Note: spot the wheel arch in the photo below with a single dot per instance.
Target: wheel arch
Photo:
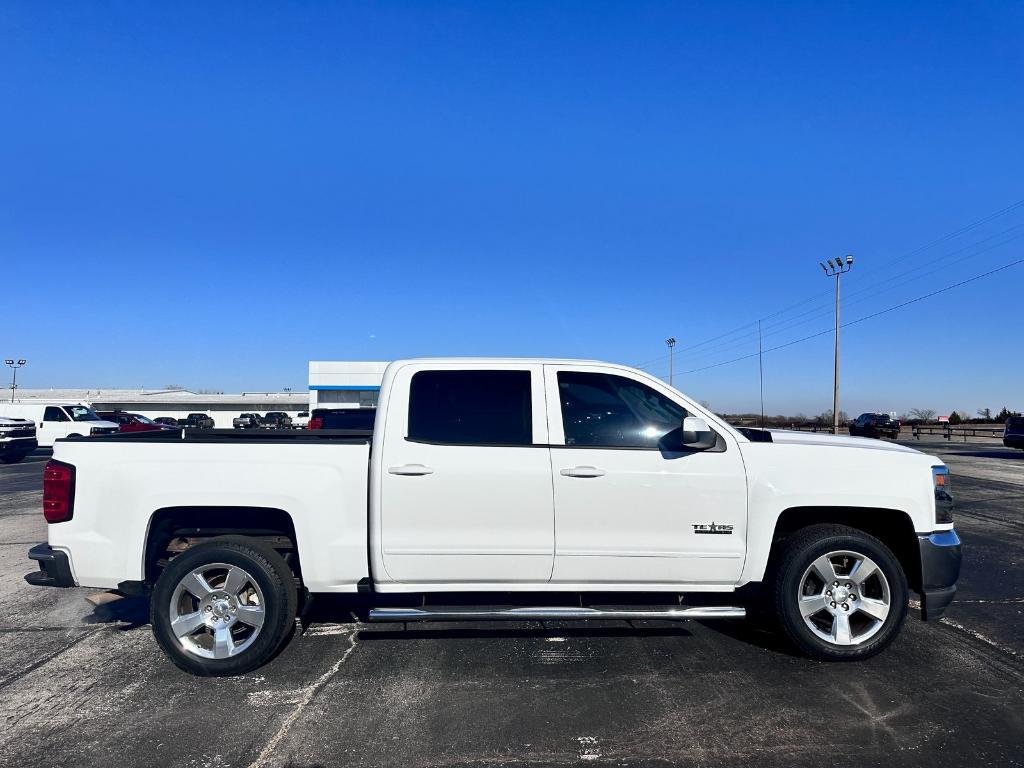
(893, 527)
(172, 530)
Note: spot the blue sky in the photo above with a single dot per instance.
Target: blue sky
(213, 194)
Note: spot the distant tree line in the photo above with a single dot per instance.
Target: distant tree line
(912, 417)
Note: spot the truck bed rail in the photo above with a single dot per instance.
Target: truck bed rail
(286, 436)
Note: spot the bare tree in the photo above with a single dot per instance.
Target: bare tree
(923, 414)
(985, 413)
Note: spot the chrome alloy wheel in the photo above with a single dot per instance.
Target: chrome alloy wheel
(844, 598)
(217, 611)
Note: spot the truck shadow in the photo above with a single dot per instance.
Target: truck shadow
(132, 612)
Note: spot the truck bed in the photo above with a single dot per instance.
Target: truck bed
(126, 483)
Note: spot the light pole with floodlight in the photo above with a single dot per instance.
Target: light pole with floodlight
(15, 366)
(838, 268)
(671, 344)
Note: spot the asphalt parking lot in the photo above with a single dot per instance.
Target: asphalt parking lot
(84, 686)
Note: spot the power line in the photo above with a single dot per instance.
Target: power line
(773, 329)
(893, 308)
(944, 238)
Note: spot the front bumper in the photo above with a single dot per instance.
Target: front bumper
(941, 554)
(17, 445)
(54, 567)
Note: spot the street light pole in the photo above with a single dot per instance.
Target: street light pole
(15, 366)
(671, 344)
(837, 269)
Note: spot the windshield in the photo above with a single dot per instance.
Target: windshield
(81, 413)
(142, 419)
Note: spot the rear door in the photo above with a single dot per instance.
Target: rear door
(626, 510)
(465, 480)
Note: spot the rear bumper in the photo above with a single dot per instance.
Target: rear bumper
(1013, 441)
(941, 554)
(54, 567)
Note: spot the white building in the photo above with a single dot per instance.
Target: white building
(344, 385)
(176, 403)
(331, 385)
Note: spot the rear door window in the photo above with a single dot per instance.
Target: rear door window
(471, 407)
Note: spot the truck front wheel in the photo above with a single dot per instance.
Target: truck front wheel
(223, 607)
(840, 594)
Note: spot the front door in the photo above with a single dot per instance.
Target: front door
(465, 480)
(55, 425)
(627, 510)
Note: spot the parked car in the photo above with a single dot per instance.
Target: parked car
(875, 425)
(301, 420)
(17, 439)
(167, 421)
(342, 418)
(277, 420)
(1013, 432)
(55, 420)
(131, 422)
(197, 421)
(491, 478)
(247, 421)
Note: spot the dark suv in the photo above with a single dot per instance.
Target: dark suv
(875, 425)
(1013, 434)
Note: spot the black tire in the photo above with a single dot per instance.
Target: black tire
(270, 573)
(804, 548)
(12, 458)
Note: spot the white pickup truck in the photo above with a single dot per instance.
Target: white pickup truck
(503, 489)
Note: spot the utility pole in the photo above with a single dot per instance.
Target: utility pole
(15, 366)
(671, 344)
(838, 269)
(760, 370)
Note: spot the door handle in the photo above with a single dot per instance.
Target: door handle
(583, 472)
(410, 469)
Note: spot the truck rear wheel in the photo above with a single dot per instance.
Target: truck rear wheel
(840, 594)
(223, 607)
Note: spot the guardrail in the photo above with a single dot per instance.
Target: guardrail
(947, 431)
(808, 428)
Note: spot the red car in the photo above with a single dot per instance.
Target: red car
(131, 422)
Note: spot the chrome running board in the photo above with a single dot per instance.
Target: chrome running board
(553, 614)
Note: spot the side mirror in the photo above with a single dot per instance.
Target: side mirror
(693, 435)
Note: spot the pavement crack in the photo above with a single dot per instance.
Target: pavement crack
(48, 658)
(308, 695)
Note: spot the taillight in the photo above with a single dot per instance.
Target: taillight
(316, 422)
(58, 491)
(943, 498)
